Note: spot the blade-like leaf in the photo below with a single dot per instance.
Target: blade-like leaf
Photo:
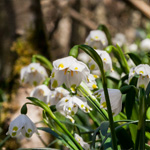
(135, 58)
(129, 102)
(104, 127)
(48, 130)
(104, 28)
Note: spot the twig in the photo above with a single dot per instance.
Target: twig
(142, 6)
(85, 21)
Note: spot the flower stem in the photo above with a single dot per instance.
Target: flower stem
(140, 137)
(69, 134)
(88, 95)
(52, 116)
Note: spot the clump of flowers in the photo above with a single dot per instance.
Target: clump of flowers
(86, 97)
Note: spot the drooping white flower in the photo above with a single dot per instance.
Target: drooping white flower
(96, 39)
(57, 95)
(115, 97)
(119, 39)
(41, 92)
(145, 44)
(84, 57)
(68, 106)
(70, 71)
(22, 125)
(80, 140)
(33, 74)
(107, 62)
(91, 83)
(143, 70)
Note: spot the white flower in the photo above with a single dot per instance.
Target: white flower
(68, 106)
(143, 70)
(33, 74)
(22, 125)
(115, 97)
(119, 39)
(79, 139)
(42, 92)
(133, 47)
(97, 39)
(70, 71)
(91, 83)
(145, 44)
(57, 95)
(84, 57)
(107, 62)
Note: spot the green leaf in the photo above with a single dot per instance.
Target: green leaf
(129, 102)
(113, 79)
(77, 125)
(120, 57)
(43, 60)
(148, 89)
(24, 109)
(64, 139)
(126, 89)
(4, 140)
(36, 149)
(104, 28)
(134, 81)
(99, 83)
(42, 105)
(135, 58)
(148, 113)
(94, 136)
(74, 51)
(48, 130)
(104, 127)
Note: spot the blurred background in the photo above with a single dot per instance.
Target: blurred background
(51, 28)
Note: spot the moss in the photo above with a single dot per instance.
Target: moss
(24, 51)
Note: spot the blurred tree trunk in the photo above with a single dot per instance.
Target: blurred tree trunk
(38, 36)
(7, 31)
(76, 36)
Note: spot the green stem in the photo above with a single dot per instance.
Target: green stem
(43, 60)
(120, 56)
(69, 134)
(113, 135)
(47, 121)
(63, 128)
(104, 28)
(47, 81)
(90, 51)
(88, 95)
(3, 142)
(140, 138)
(94, 119)
(50, 113)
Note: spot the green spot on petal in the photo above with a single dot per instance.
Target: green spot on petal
(72, 113)
(29, 130)
(53, 74)
(92, 67)
(14, 133)
(27, 135)
(104, 104)
(73, 88)
(55, 84)
(15, 128)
